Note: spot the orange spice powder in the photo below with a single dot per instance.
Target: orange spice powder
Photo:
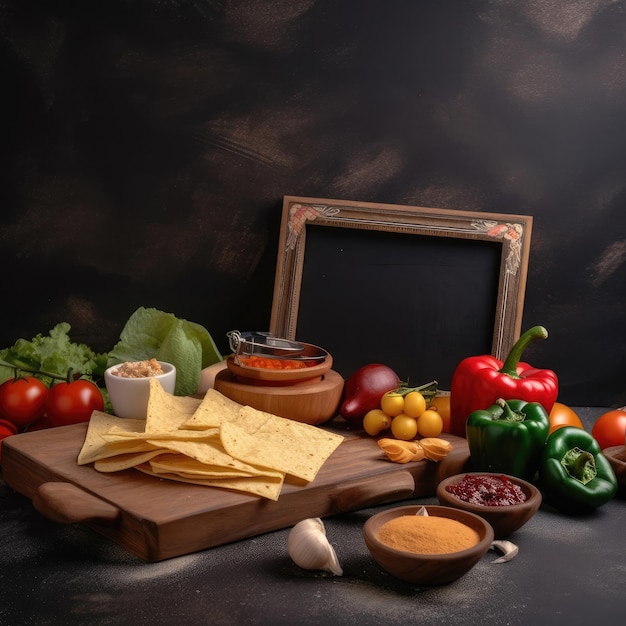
(423, 534)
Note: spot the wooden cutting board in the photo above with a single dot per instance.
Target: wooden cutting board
(158, 519)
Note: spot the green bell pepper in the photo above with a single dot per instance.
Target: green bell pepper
(508, 437)
(574, 474)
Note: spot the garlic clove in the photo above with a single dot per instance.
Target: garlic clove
(509, 550)
(310, 549)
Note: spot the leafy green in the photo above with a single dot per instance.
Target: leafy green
(54, 353)
(150, 333)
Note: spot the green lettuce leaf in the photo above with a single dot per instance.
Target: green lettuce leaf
(150, 333)
(54, 353)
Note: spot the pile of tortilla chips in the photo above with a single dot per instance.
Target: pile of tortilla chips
(214, 441)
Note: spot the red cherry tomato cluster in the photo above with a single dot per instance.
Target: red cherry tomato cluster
(26, 403)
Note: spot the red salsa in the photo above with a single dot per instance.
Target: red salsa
(275, 364)
(487, 490)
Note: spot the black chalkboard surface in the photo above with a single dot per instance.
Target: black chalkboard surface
(417, 289)
(418, 304)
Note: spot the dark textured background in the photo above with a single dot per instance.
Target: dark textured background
(146, 147)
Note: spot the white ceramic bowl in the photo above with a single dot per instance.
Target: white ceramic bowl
(129, 396)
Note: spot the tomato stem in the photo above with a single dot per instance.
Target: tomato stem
(425, 389)
(19, 369)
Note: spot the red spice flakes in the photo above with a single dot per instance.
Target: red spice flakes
(487, 490)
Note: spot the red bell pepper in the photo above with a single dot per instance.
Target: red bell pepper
(479, 381)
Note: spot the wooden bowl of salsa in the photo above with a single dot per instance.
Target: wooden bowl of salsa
(506, 502)
(259, 369)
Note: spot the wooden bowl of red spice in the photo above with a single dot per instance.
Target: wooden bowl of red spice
(506, 502)
(434, 548)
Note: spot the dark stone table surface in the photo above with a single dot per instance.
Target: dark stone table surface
(569, 570)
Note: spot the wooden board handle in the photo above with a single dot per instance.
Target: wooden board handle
(68, 504)
(375, 490)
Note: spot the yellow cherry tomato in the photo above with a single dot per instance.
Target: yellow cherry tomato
(442, 404)
(429, 424)
(414, 404)
(392, 403)
(404, 427)
(375, 421)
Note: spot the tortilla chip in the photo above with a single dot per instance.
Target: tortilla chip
(125, 461)
(165, 411)
(254, 485)
(214, 442)
(118, 434)
(213, 408)
(278, 443)
(96, 447)
(180, 464)
(213, 454)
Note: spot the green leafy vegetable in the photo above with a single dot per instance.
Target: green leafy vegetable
(150, 333)
(54, 353)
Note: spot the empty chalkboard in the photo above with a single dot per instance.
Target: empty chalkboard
(414, 288)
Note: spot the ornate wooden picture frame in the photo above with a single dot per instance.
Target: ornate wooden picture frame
(424, 238)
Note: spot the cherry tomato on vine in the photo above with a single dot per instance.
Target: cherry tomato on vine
(404, 427)
(73, 402)
(414, 404)
(610, 429)
(392, 403)
(562, 415)
(375, 421)
(23, 400)
(442, 404)
(429, 424)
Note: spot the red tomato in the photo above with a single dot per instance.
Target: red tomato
(72, 403)
(23, 400)
(41, 424)
(562, 415)
(610, 429)
(6, 430)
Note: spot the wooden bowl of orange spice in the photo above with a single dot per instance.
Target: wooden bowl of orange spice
(427, 545)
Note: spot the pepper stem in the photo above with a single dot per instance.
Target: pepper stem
(509, 367)
(580, 465)
(508, 414)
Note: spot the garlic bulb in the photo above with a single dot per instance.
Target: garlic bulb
(309, 547)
